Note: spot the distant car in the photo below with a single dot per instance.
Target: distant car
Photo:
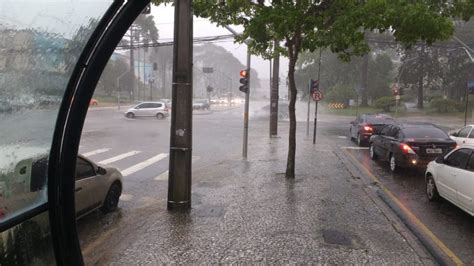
(451, 176)
(409, 145)
(158, 109)
(464, 135)
(97, 187)
(5, 107)
(367, 124)
(94, 102)
(201, 105)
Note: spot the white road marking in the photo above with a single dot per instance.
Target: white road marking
(146, 163)
(342, 137)
(126, 197)
(165, 174)
(87, 154)
(119, 157)
(355, 148)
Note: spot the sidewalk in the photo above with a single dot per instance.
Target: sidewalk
(247, 212)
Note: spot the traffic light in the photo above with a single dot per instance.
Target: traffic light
(396, 92)
(244, 81)
(314, 85)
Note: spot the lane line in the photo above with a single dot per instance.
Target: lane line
(91, 153)
(165, 174)
(342, 137)
(410, 214)
(355, 148)
(139, 166)
(119, 157)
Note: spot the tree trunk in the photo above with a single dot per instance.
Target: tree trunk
(422, 75)
(363, 80)
(290, 164)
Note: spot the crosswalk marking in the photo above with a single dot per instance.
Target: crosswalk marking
(146, 163)
(119, 157)
(87, 154)
(165, 174)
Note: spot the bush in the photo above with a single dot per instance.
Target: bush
(385, 103)
(340, 94)
(446, 105)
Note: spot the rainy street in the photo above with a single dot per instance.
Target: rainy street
(134, 143)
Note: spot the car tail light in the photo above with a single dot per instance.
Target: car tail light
(406, 149)
(368, 129)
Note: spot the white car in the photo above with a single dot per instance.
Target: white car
(464, 135)
(451, 176)
(158, 109)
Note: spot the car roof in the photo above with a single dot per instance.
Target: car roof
(151, 102)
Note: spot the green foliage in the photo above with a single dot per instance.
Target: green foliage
(385, 103)
(340, 94)
(441, 105)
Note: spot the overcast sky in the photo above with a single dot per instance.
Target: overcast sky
(164, 17)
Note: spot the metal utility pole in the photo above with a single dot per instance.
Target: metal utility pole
(247, 97)
(316, 102)
(246, 111)
(309, 106)
(179, 182)
(274, 95)
(132, 65)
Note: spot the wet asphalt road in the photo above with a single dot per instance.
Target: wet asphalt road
(216, 135)
(449, 223)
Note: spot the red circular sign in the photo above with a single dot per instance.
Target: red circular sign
(317, 95)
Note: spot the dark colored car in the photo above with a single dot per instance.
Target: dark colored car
(409, 145)
(366, 124)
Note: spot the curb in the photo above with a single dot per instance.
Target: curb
(432, 245)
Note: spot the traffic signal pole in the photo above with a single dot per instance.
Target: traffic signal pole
(246, 110)
(179, 181)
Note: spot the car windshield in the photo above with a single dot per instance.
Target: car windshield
(379, 120)
(425, 133)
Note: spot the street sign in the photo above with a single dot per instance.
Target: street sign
(470, 86)
(208, 70)
(317, 95)
(397, 97)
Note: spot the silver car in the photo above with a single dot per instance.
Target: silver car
(158, 109)
(97, 187)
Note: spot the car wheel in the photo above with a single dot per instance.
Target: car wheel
(160, 116)
(112, 198)
(431, 190)
(350, 134)
(130, 115)
(393, 164)
(372, 153)
(359, 140)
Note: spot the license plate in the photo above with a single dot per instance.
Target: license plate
(434, 151)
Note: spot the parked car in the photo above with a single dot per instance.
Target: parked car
(366, 124)
(201, 105)
(158, 109)
(463, 135)
(97, 187)
(451, 176)
(409, 145)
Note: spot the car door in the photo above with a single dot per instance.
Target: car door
(465, 186)
(155, 108)
(385, 141)
(449, 172)
(462, 135)
(86, 196)
(470, 138)
(140, 110)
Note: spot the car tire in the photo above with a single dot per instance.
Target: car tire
(350, 134)
(392, 162)
(372, 153)
(160, 116)
(130, 115)
(431, 190)
(112, 198)
(359, 140)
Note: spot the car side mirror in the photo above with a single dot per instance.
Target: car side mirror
(101, 170)
(440, 159)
